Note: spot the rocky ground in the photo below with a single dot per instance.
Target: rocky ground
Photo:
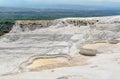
(68, 48)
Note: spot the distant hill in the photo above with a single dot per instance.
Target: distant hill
(54, 12)
(58, 6)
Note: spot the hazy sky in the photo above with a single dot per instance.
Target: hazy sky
(29, 3)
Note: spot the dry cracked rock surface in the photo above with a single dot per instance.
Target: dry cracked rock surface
(68, 48)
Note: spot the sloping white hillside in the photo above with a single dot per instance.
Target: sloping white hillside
(75, 37)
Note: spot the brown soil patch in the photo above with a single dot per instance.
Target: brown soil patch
(44, 62)
(52, 63)
(94, 46)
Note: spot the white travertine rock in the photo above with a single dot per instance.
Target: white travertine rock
(66, 36)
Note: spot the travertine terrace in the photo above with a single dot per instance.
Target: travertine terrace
(67, 48)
